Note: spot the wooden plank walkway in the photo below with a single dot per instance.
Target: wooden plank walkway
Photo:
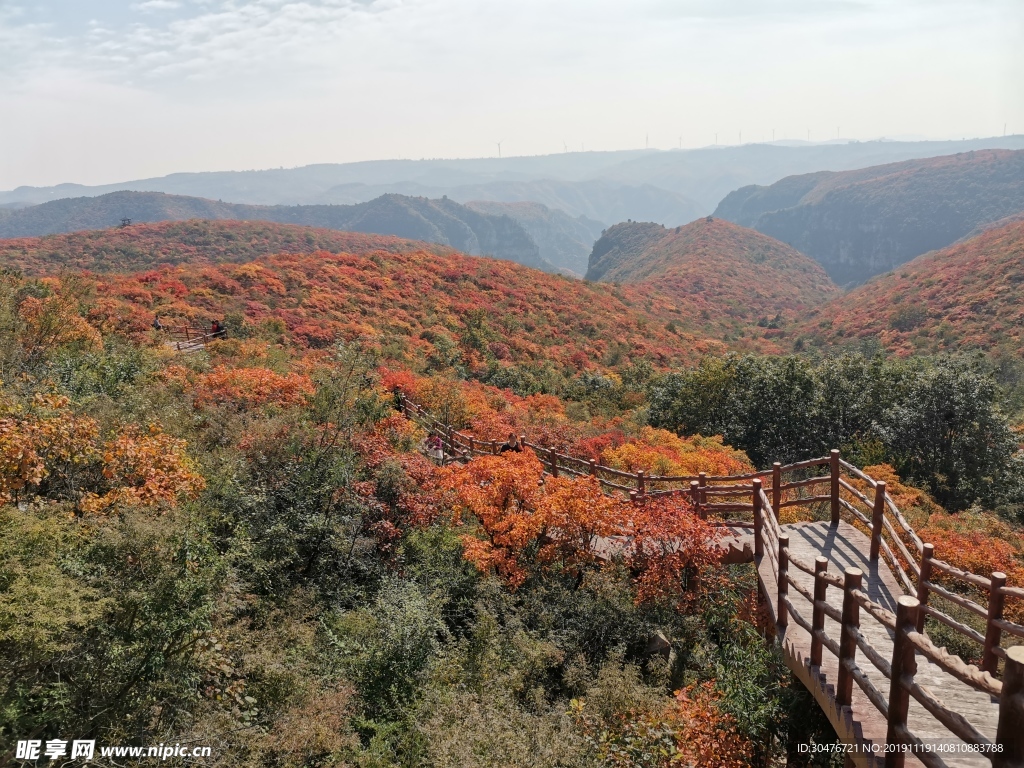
(862, 724)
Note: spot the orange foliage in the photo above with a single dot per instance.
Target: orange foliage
(708, 737)
(241, 387)
(502, 493)
(144, 469)
(54, 321)
(46, 449)
(526, 521)
(659, 452)
(46, 440)
(672, 550)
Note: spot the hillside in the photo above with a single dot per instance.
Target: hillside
(149, 246)
(729, 281)
(563, 240)
(411, 305)
(861, 223)
(437, 221)
(967, 296)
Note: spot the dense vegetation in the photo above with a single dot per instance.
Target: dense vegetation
(493, 319)
(245, 547)
(242, 548)
(937, 422)
(435, 221)
(864, 222)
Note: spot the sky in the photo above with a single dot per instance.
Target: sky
(109, 90)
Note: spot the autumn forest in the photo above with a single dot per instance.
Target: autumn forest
(220, 525)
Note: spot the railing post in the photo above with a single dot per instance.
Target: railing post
(1010, 730)
(877, 515)
(833, 463)
(996, 600)
(782, 613)
(553, 459)
(632, 497)
(927, 553)
(818, 610)
(848, 638)
(695, 499)
(472, 446)
(758, 519)
(703, 482)
(641, 486)
(593, 468)
(776, 488)
(904, 667)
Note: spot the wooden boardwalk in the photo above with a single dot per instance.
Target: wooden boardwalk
(862, 724)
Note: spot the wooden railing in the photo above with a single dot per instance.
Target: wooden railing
(893, 540)
(906, 625)
(189, 338)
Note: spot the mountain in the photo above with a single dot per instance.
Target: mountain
(195, 242)
(438, 221)
(678, 185)
(563, 240)
(861, 223)
(967, 296)
(724, 279)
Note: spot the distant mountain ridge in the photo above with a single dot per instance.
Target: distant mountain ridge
(678, 185)
(598, 199)
(861, 223)
(436, 221)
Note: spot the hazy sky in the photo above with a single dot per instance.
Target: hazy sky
(107, 90)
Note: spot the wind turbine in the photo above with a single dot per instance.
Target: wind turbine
(499, 147)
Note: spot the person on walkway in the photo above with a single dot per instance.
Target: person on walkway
(157, 325)
(435, 448)
(512, 444)
(217, 330)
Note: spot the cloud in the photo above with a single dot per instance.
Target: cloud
(158, 5)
